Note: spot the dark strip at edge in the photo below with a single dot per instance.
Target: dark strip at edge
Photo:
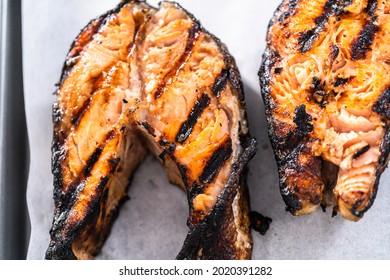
(382, 105)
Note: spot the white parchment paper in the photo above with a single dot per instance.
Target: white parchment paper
(152, 224)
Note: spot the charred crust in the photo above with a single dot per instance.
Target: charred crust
(92, 160)
(60, 249)
(302, 121)
(215, 163)
(382, 105)
(57, 152)
(259, 222)
(270, 58)
(362, 44)
(56, 114)
(382, 165)
(183, 173)
(196, 111)
(61, 241)
(302, 129)
(212, 237)
(93, 208)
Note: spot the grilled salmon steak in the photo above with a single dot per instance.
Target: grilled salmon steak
(139, 81)
(326, 90)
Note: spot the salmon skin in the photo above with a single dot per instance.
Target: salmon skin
(325, 86)
(139, 81)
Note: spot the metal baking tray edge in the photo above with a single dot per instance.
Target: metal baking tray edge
(14, 151)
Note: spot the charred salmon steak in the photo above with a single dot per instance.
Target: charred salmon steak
(137, 81)
(326, 88)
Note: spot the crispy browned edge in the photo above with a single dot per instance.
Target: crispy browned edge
(282, 147)
(215, 236)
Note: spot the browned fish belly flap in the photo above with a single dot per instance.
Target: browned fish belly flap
(325, 88)
(140, 81)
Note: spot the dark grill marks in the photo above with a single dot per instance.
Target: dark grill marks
(361, 152)
(371, 7)
(168, 148)
(186, 128)
(91, 161)
(80, 113)
(306, 39)
(220, 82)
(216, 162)
(193, 34)
(94, 203)
(71, 228)
(361, 45)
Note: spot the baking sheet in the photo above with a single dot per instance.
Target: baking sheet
(14, 160)
(152, 225)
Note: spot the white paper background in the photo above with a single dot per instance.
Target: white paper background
(152, 225)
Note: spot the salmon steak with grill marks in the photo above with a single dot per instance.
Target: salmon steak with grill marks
(139, 81)
(326, 89)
